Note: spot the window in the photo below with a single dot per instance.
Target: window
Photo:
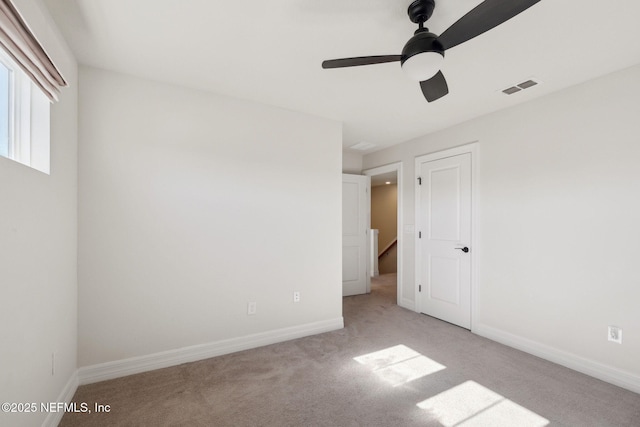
(5, 73)
(24, 117)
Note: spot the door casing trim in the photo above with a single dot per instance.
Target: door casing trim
(397, 167)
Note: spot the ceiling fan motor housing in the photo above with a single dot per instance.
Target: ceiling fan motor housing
(422, 56)
(421, 10)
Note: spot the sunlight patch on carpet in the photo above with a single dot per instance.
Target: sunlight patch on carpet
(399, 364)
(470, 404)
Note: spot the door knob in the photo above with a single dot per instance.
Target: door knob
(465, 249)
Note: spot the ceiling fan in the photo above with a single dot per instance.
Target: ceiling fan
(423, 54)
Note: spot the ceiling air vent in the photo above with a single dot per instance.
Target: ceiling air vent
(512, 90)
(520, 86)
(527, 84)
(362, 146)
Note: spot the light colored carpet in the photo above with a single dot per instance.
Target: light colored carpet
(387, 367)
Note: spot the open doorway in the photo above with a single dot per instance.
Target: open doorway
(386, 218)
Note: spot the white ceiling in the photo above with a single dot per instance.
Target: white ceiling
(271, 51)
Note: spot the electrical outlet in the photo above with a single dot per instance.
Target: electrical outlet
(296, 296)
(615, 334)
(251, 308)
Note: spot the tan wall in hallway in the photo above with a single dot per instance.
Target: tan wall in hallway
(389, 263)
(384, 217)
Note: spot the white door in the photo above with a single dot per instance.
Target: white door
(355, 227)
(444, 239)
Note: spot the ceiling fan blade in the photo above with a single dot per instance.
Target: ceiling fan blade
(361, 60)
(434, 88)
(485, 16)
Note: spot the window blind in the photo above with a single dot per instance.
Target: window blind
(20, 43)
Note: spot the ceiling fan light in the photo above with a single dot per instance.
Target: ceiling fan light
(423, 66)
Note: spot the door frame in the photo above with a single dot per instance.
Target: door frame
(473, 149)
(397, 167)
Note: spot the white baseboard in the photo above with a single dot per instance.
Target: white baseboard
(135, 365)
(54, 418)
(598, 370)
(408, 304)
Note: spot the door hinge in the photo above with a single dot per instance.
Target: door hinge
(419, 181)
(419, 288)
(419, 234)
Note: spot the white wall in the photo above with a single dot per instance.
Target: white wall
(351, 162)
(558, 222)
(38, 248)
(191, 205)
